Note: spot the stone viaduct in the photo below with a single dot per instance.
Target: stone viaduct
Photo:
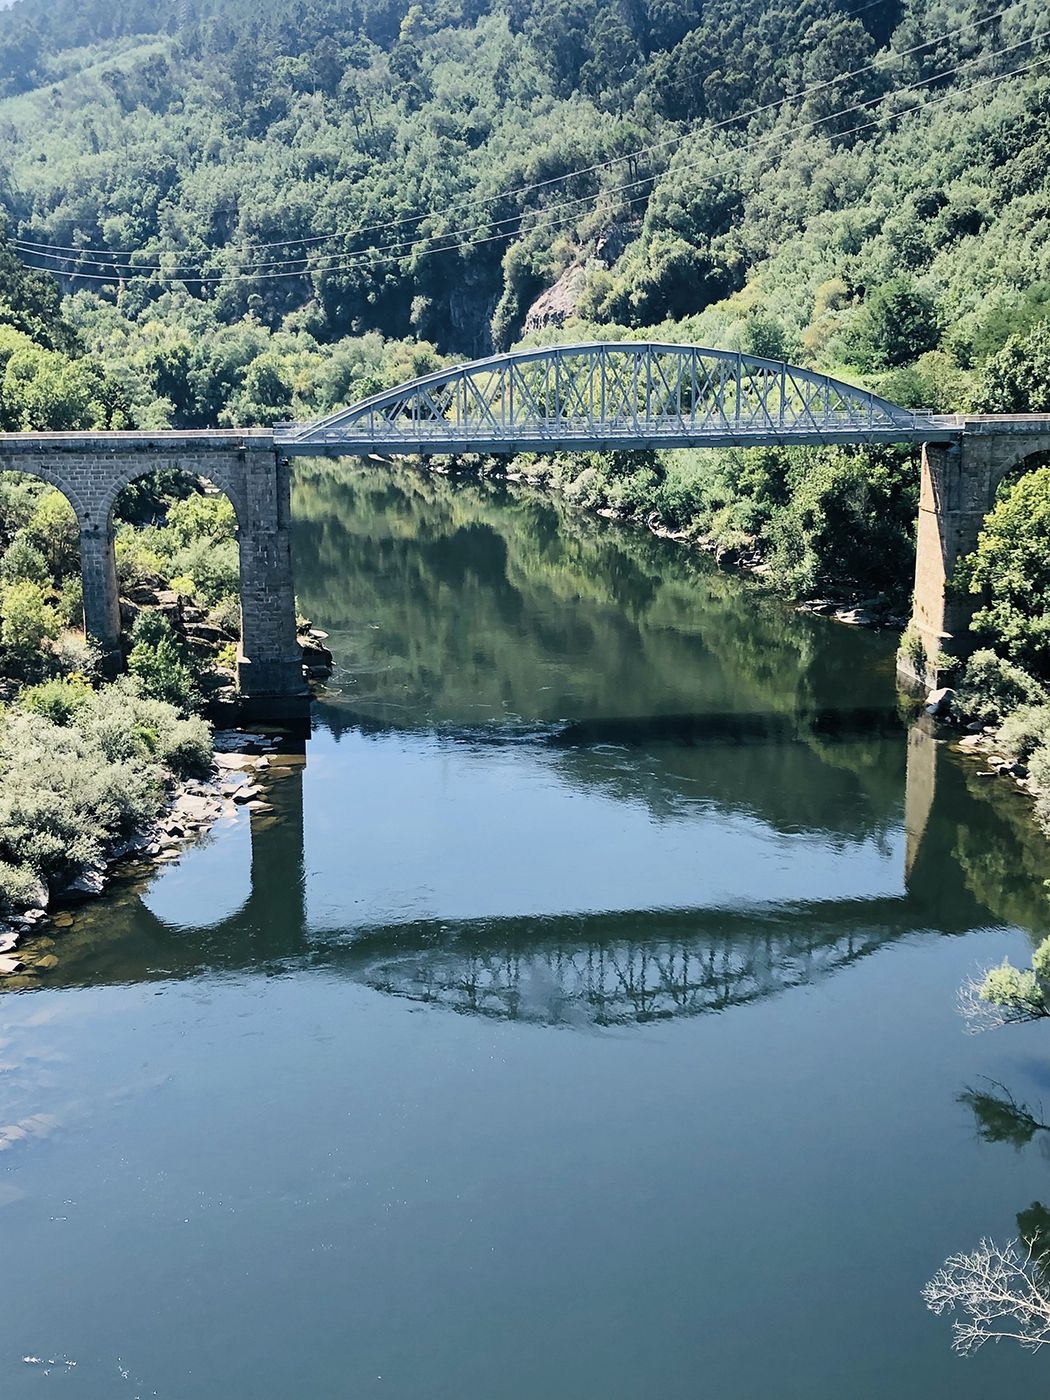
(90, 469)
(585, 397)
(964, 462)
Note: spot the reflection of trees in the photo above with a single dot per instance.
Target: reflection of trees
(461, 605)
(1000, 1292)
(375, 547)
(1000, 1118)
(988, 832)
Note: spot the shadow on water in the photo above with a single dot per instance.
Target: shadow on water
(622, 671)
(600, 968)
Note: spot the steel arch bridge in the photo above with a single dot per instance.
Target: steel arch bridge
(625, 395)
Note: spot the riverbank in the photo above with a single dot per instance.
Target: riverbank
(998, 716)
(785, 527)
(235, 784)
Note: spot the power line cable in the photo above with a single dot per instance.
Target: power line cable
(111, 256)
(400, 250)
(374, 257)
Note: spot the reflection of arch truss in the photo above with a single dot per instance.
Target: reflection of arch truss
(629, 395)
(620, 981)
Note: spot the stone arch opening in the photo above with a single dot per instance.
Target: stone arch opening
(1013, 473)
(1005, 575)
(92, 469)
(42, 625)
(175, 536)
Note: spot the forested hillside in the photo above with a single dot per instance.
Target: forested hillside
(856, 185)
(263, 210)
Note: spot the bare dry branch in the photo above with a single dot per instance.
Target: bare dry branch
(999, 1292)
(979, 1014)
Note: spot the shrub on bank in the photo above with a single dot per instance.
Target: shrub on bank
(57, 700)
(28, 622)
(1025, 731)
(78, 773)
(160, 662)
(21, 560)
(1010, 572)
(991, 688)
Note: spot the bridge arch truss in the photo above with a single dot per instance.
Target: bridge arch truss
(621, 395)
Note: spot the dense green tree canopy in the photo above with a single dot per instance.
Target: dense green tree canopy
(329, 170)
(1010, 569)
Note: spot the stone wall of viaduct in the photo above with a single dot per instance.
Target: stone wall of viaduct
(963, 463)
(960, 477)
(90, 469)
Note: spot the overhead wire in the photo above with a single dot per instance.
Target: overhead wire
(42, 249)
(562, 213)
(399, 251)
(361, 257)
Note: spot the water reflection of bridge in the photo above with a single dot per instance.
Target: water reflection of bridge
(611, 968)
(594, 968)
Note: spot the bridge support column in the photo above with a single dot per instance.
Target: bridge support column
(959, 484)
(269, 666)
(98, 571)
(955, 494)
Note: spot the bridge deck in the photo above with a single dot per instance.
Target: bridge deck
(288, 439)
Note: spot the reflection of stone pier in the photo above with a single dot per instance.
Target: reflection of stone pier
(961, 872)
(919, 792)
(278, 876)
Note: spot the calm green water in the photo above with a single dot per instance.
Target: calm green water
(582, 1027)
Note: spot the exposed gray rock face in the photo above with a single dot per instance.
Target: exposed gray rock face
(87, 885)
(554, 306)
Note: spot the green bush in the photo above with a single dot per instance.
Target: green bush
(185, 747)
(200, 517)
(991, 688)
(138, 558)
(1024, 731)
(62, 799)
(913, 651)
(897, 323)
(160, 662)
(56, 700)
(20, 887)
(213, 565)
(1039, 767)
(28, 622)
(53, 530)
(22, 561)
(74, 654)
(76, 777)
(1017, 379)
(227, 614)
(70, 602)
(1010, 569)
(847, 523)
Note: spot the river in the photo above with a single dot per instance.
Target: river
(581, 1023)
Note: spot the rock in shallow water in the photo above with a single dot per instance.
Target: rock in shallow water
(87, 885)
(939, 702)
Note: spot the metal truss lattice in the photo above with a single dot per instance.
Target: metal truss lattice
(626, 395)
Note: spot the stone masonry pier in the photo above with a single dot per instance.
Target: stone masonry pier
(964, 462)
(91, 468)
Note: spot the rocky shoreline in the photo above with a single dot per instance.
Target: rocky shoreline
(985, 747)
(874, 612)
(237, 784)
